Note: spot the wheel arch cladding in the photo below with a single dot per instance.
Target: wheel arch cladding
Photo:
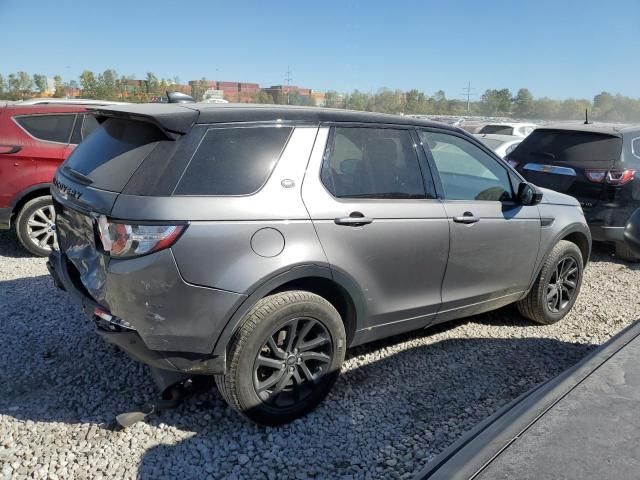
(313, 278)
(581, 240)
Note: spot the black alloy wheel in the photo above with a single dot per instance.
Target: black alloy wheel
(291, 362)
(562, 285)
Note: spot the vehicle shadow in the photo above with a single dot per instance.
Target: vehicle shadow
(9, 246)
(397, 402)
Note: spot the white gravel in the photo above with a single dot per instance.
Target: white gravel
(398, 403)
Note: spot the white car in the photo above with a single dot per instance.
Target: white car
(501, 144)
(516, 129)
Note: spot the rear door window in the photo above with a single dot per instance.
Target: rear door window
(372, 163)
(51, 128)
(89, 125)
(233, 161)
(115, 150)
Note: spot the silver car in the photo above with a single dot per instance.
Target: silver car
(257, 243)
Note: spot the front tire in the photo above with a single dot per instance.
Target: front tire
(557, 287)
(284, 358)
(35, 226)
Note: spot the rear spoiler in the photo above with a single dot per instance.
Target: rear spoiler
(173, 120)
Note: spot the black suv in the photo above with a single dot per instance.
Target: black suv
(597, 164)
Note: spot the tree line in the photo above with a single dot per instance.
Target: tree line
(108, 85)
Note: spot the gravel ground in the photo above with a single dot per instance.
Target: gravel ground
(398, 403)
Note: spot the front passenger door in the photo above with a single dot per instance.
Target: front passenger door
(494, 239)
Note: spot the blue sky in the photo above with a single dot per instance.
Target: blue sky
(561, 48)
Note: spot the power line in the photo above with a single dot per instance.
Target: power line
(288, 80)
(468, 93)
(288, 77)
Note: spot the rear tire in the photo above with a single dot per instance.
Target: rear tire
(284, 358)
(557, 287)
(623, 252)
(35, 226)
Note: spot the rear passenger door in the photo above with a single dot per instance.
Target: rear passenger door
(379, 222)
(494, 239)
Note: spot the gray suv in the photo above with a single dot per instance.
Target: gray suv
(256, 243)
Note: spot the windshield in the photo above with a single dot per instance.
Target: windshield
(110, 154)
(497, 129)
(492, 143)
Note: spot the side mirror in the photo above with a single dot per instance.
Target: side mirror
(632, 232)
(528, 194)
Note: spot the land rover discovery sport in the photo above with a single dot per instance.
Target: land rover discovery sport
(257, 243)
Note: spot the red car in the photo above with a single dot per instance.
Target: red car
(34, 140)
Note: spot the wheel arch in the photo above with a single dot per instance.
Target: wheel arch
(341, 292)
(28, 194)
(576, 233)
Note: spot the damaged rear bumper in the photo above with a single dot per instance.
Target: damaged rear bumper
(128, 338)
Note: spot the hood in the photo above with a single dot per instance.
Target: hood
(551, 197)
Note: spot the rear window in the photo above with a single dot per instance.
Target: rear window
(51, 128)
(233, 161)
(497, 129)
(114, 151)
(569, 146)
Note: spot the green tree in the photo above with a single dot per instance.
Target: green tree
(357, 100)
(523, 103)
(59, 87)
(333, 99)
(40, 81)
(3, 87)
(262, 97)
(107, 85)
(496, 102)
(20, 85)
(89, 84)
(545, 108)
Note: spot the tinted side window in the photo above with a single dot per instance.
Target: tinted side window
(52, 128)
(233, 161)
(89, 125)
(372, 163)
(466, 171)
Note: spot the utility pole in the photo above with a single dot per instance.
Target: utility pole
(288, 80)
(468, 93)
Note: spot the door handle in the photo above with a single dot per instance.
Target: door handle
(466, 218)
(9, 149)
(355, 219)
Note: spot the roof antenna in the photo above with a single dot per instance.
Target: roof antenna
(586, 116)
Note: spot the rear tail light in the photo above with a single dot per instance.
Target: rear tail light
(620, 177)
(596, 176)
(123, 240)
(612, 177)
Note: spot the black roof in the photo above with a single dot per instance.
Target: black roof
(594, 127)
(179, 118)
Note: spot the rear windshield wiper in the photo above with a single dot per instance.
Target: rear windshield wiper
(80, 177)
